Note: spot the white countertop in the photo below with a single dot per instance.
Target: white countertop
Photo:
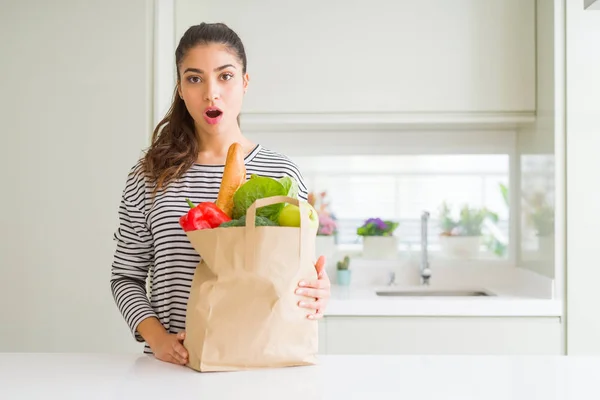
(517, 292)
(363, 301)
(101, 376)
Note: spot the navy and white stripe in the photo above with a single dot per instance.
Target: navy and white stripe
(150, 242)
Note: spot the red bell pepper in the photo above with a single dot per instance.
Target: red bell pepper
(205, 215)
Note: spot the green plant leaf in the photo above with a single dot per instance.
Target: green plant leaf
(504, 191)
(259, 187)
(290, 186)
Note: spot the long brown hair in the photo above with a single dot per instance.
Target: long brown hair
(175, 147)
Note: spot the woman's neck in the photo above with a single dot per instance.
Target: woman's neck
(213, 148)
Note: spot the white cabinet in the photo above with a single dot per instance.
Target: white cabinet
(323, 336)
(441, 335)
(380, 56)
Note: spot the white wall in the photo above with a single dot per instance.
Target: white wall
(583, 163)
(76, 111)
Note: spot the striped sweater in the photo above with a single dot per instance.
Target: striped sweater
(151, 244)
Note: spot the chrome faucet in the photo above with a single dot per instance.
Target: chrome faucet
(424, 267)
(392, 279)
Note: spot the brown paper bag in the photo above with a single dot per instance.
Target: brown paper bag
(243, 312)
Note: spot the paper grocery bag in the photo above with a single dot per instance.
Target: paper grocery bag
(243, 312)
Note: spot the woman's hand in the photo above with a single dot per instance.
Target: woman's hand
(316, 293)
(169, 348)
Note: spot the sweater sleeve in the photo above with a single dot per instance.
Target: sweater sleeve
(294, 172)
(302, 189)
(132, 258)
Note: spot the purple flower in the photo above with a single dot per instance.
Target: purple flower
(381, 225)
(377, 222)
(377, 227)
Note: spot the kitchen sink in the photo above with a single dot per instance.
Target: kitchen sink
(433, 292)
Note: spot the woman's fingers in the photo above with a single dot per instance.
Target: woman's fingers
(314, 293)
(311, 305)
(179, 352)
(319, 284)
(317, 315)
(178, 359)
(172, 358)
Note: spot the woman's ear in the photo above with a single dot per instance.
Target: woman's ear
(246, 80)
(179, 90)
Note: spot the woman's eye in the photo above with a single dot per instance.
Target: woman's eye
(194, 79)
(227, 76)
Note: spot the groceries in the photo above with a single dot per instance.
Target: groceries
(258, 221)
(260, 187)
(234, 176)
(242, 311)
(236, 195)
(290, 215)
(205, 215)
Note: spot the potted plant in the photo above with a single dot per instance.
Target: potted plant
(327, 225)
(327, 232)
(541, 217)
(543, 220)
(343, 272)
(496, 243)
(379, 241)
(462, 237)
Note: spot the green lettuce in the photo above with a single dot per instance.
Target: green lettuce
(290, 185)
(258, 221)
(259, 187)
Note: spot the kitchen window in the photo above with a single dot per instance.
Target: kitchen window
(400, 187)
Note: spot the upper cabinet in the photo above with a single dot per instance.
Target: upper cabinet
(380, 56)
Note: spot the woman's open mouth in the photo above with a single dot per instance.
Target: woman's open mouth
(212, 115)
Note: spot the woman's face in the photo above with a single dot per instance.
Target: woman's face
(212, 86)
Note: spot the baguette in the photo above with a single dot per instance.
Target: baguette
(234, 176)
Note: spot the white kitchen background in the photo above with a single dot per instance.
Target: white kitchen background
(392, 117)
(400, 188)
(390, 107)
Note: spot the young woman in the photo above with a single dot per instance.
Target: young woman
(186, 159)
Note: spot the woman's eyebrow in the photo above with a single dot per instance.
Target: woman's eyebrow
(199, 71)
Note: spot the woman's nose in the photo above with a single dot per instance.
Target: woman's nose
(211, 96)
(212, 93)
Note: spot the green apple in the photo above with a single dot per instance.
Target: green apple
(290, 215)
